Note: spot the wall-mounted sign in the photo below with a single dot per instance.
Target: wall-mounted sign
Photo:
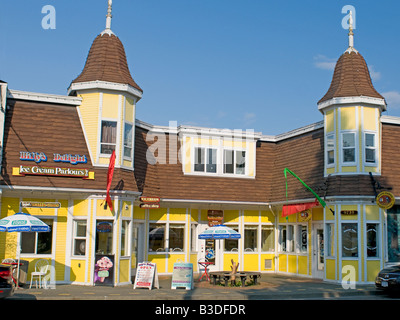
(304, 215)
(104, 226)
(149, 199)
(53, 171)
(385, 200)
(149, 205)
(36, 204)
(349, 212)
(41, 156)
(215, 217)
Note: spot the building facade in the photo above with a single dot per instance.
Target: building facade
(56, 154)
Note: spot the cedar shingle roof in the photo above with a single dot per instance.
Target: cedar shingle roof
(351, 78)
(106, 61)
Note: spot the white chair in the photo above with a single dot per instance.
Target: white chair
(41, 268)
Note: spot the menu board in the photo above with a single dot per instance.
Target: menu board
(182, 276)
(146, 276)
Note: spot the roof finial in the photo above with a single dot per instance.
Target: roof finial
(351, 34)
(108, 20)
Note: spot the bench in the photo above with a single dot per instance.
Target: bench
(226, 275)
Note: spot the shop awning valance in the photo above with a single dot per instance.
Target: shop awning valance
(289, 209)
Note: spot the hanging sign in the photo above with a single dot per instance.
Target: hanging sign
(182, 276)
(146, 276)
(149, 199)
(385, 200)
(149, 205)
(149, 202)
(215, 217)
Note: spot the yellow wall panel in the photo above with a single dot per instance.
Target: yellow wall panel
(194, 215)
(348, 118)
(352, 263)
(267, 216)
(267, 257)
(158, 214)
(138, 213)
(251, 215)
(89, 110)
(303, 264)
(318, 214)
(330, 269)
(110, 106)
(329, 121)
(77, 270)
(174, 258)
(250, 262)
(124, 268)
(81, 207)
(282, 258)
(227, 260)
(231, 216)
(177, 214)
(369, 119)
(129, 110)
(349, 169)
(372, 212)
(101, 212)
(126, 209)
(160, 261)
(373, 267)
(292, 263)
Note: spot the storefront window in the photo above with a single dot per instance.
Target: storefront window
(250, 238)
(267, 238)
(349, 240)
(330, 230)
(38, 242)
(176, 237)
(79, 243)
(372, 240)
(282, 238)
(302, 239)
(124, 237)
(157, 237)
(393, 233)
(231, 244)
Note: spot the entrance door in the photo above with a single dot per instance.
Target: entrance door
(318, 262)
(137, 245)
(211, 250)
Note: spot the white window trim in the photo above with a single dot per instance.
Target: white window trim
(74, 238)
(364, 148)
(330, 165)
(116, 138)
(124, 145)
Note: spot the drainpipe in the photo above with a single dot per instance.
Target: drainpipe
(276, 238)
(3, 107)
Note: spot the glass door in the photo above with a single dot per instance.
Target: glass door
(137, 245)
(318, 261)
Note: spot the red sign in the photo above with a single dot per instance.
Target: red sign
(149, 199)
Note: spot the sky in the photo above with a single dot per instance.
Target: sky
(235, 64)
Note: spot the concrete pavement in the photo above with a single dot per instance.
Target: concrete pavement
(270, 287)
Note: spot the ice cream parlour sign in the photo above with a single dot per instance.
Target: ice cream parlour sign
(39, 157)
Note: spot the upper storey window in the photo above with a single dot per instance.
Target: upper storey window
(370, 148)
(234, 161)
(128, 140)
(205, 159)
(108, 136)
(349, 147)
(330, 149)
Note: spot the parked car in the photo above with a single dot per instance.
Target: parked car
(6, 281)
(388, 278)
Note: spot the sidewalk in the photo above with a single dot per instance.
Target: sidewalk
(270, 287)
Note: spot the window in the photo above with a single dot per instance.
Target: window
(372, 240)
(250, 238)
(79, 242)
(128, 140)
(125, 238)
(349, 240)
(349, 147)
(108, 136)
(267, 238)
(393, 234)
(38, 242)
(232, 244)
(234, 161)
(302, 239)
(202, 162)
(290, 239)
(370, 148)
(193, 237)
(104, 237)
(157, 237)
(330, 246)
(176, 237)
(330, 149)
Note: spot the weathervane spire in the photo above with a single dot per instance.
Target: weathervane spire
(351, 33)
(108, 20)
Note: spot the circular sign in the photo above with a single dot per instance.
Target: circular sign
(385, 200)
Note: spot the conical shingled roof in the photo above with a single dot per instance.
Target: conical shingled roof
(351, 78)
(106, 61)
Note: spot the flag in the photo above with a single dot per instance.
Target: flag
(109, 179)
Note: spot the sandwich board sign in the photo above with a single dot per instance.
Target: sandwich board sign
(182, 276)
(146, 276)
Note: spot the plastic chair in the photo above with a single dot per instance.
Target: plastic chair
(41, 268)
(8, 260)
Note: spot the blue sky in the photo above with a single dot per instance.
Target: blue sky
(254, 64)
